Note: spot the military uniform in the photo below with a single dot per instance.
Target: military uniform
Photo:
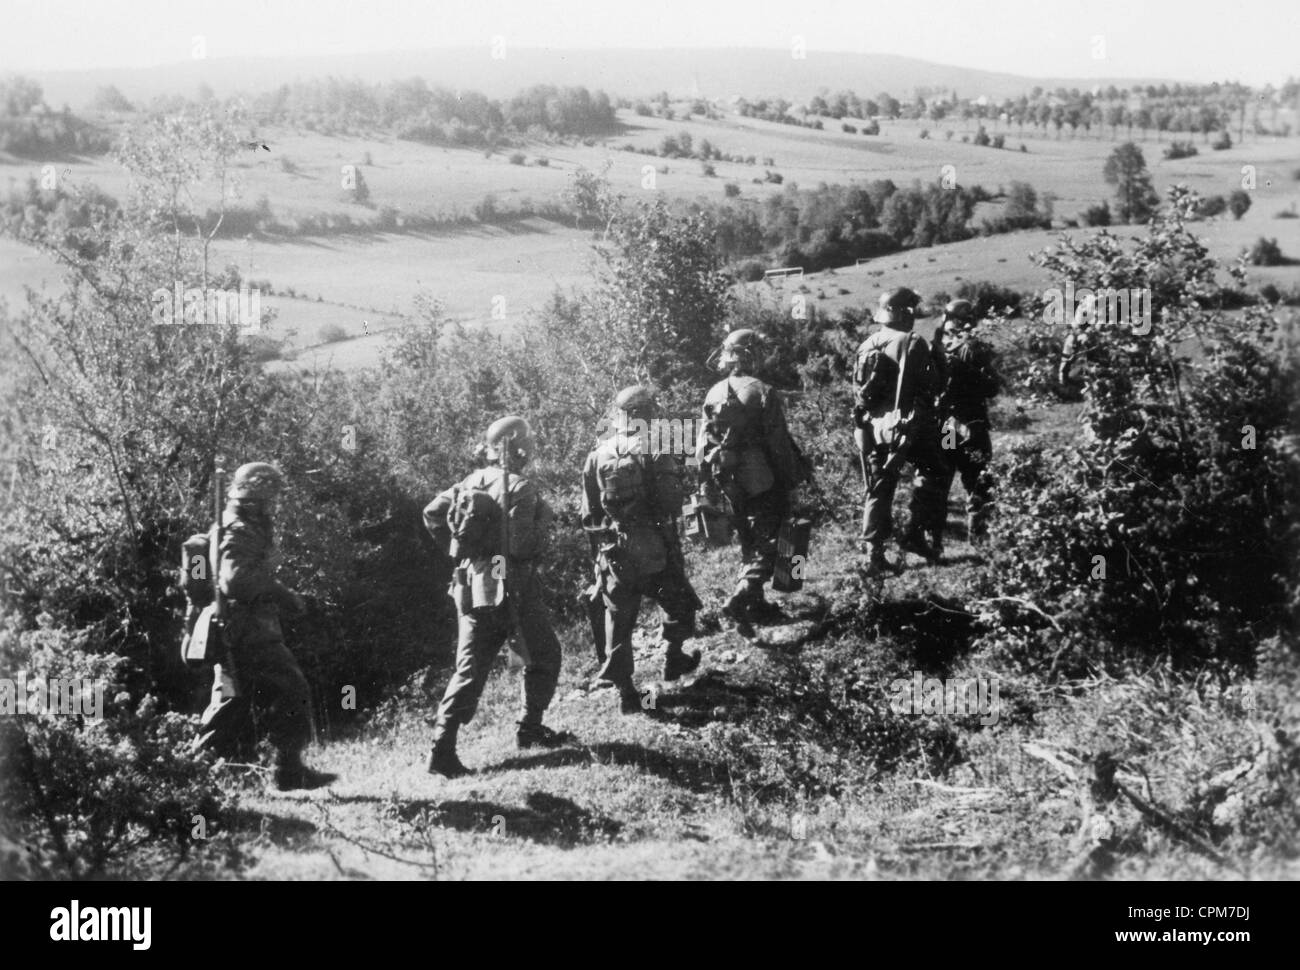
(879, 389)
(259, 669)
(972, 380)
(485, 626)
(747, 451)
(630, 501)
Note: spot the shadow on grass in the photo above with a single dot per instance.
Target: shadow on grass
(695, 774)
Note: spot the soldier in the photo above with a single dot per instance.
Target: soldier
(895, 421)
(631, 498)
(970, 382)
(263, 667)
(747, 453)
(496, 590)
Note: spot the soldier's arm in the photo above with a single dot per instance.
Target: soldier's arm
(779, 445)
(244, 574)
(528, 522)
(593, 512)
(670, 492)
(435, 518)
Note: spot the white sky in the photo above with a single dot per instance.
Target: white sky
(1200, 40)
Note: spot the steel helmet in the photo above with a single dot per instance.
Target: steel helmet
(257, 481)
(510, 432)
(637, 401)
(958, 315)
(741, 348)
(898, 308)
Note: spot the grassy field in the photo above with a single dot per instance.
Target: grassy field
(364, 282)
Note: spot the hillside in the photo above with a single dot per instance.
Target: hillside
(698, 72)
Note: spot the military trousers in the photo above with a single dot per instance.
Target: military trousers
(676, 598)
(884, 465)
(260, 674)
(757, 520)
(970, 459)
(483, 631)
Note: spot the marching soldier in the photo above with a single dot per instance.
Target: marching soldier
(631, 498)
(747, 453)
(263, 668)
(970, 382)
(495, 525)
(896, 421)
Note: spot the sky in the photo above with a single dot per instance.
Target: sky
(1196, 40)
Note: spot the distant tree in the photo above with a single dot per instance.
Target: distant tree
(1238, 203)
(109, 98)
(19, 95)
(1266, 252)
(1126, 169)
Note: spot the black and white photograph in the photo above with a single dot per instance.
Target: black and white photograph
(649, 442)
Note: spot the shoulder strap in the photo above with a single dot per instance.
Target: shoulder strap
(902, 368)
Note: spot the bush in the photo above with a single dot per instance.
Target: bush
(707, 169)
(731, 190)
(541, 161)
(848, 128)
(1211, 206)
(1266, 252)
(1287, 213)
(1095, 215)
(1169, 526)
(1222, 142)
(518, 158)
(332, 333)
(1239, 203)
(1180, 149)
(749, 271)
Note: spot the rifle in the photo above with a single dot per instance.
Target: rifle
(508, 447)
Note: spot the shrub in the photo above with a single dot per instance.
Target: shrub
(1180, 149)
(1211, 206)
(1169, 525)
(1266, 252)
(1095, 215)
(1239, 203)
(1286, 213)
(332, 333)
(731, 190)
(1222, 142)
(749, 271)
(707, 169)
(518, 158)
(541, 161)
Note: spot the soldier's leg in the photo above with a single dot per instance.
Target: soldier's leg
(928, 508)
(479, 641)
(877, 510)
(950, 452)
(281, 693)
(678, 601)
(542, 670)
(621, 608)
(975, 460)
(765, 512)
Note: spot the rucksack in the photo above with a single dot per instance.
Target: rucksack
(474, 520)
(196, 569)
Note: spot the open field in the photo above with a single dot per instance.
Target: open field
(364, 282)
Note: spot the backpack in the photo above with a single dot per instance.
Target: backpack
(203, 643)
(196, 569)
(474, 521)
